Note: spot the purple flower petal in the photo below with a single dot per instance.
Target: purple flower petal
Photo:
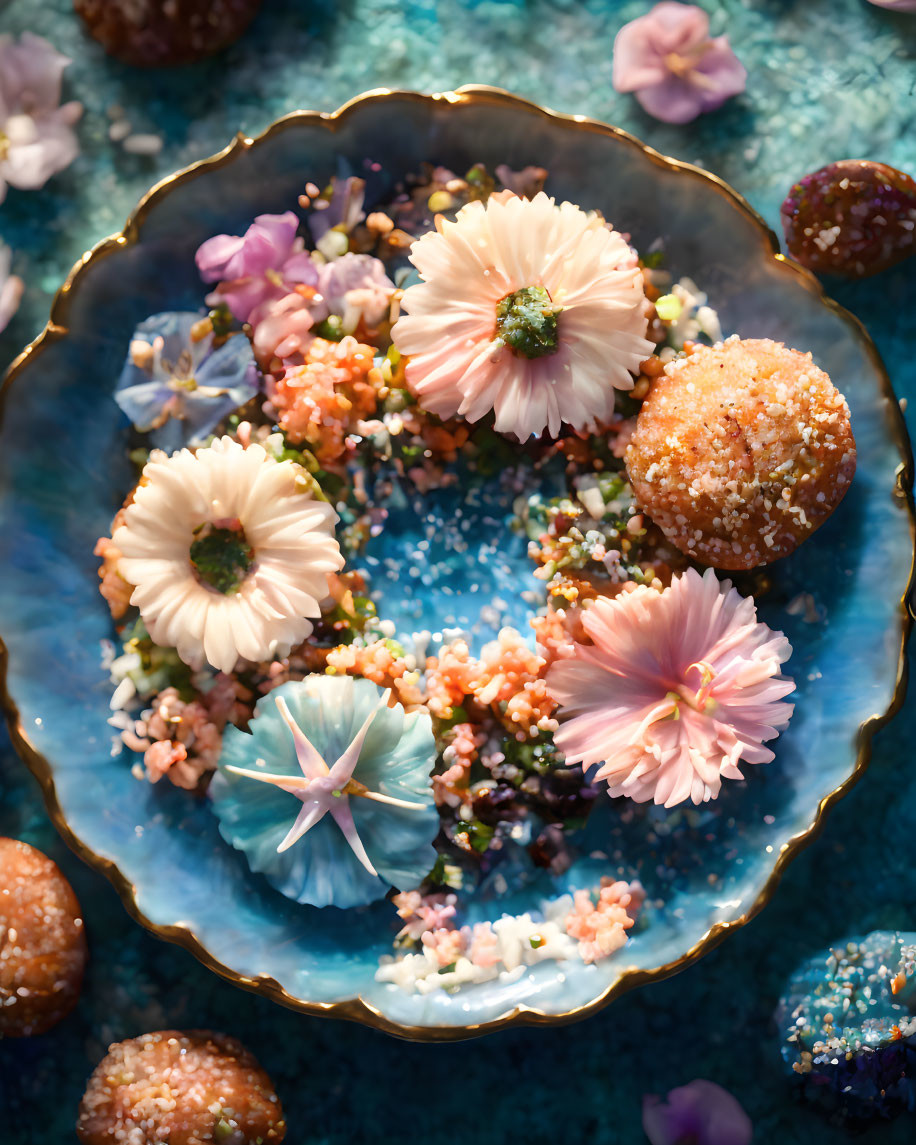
(724, 70)
(699, 1113)
(669, 60)
(672, 101)
(11, 288)
(214, 254)
(31, 68)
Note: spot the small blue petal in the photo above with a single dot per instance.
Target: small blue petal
(397, 758)
(145, 394)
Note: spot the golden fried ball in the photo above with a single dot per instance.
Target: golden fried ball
(183, 1088)
(741, 451)
(42, 943)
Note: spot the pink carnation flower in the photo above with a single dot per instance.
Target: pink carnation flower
(267, 262)
(36, 130)
(534, 311)
(677, 687)
(674, 66)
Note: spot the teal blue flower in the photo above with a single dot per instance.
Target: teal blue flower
(329, 794)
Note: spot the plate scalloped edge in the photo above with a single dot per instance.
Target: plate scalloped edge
(357, 1009)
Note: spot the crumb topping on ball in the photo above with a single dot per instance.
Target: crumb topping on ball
(183, 1088)
(741, 451)
(42, 942)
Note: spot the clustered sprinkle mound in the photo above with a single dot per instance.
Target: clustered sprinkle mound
(468, 337)
(741, 451)
(184, 1088)
(42, 942)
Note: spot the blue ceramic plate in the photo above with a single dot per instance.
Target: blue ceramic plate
(63, 473)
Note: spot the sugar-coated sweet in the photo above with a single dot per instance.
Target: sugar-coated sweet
(42, 942)
(149, 33)
(741, 451)
(184, 1088)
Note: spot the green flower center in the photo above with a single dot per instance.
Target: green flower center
(222, 557)
(4, 145)
(526, 322)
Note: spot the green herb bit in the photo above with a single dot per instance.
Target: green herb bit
(331, 329)
(526, 322)
(222, 558)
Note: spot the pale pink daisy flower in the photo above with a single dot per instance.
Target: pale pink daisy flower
(534, 311)
(677, 687)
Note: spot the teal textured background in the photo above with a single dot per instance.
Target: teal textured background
(828, 79)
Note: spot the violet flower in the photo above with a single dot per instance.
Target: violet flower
(176, 386)
(11, 288)
(266, 263)
(674, 66)
(343, 212)
(356, 286)
(699, 1113)
(36, 130)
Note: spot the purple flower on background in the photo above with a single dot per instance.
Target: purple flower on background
(176, 386)
(355, 286)
(699, 1113)
(11, 287)
(674, 66)
(36, 131)
(266, 263)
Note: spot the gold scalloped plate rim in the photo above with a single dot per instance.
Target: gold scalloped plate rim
(357, 1009)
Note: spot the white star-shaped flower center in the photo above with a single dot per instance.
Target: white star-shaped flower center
(324, 789)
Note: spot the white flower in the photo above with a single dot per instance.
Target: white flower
(228, 556)
(36, 131)
(534, 311)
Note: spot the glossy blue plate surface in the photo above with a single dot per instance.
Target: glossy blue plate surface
(63, 474)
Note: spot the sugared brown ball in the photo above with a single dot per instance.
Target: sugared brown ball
(741, 451)
(42, 943)
(150, 33)
(183, 1088)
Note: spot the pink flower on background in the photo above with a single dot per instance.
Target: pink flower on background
(699, 1113)
(674, 66)
(11, 287)
(895, 5)
(268, 262)
(676, 688)
(36, 130)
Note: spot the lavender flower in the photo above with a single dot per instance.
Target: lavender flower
(343, 212)
(11, 288)
(266, 263)
(36, 136)
(699, 1113)
(355, 286)
(676, 69)
(176, 386)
